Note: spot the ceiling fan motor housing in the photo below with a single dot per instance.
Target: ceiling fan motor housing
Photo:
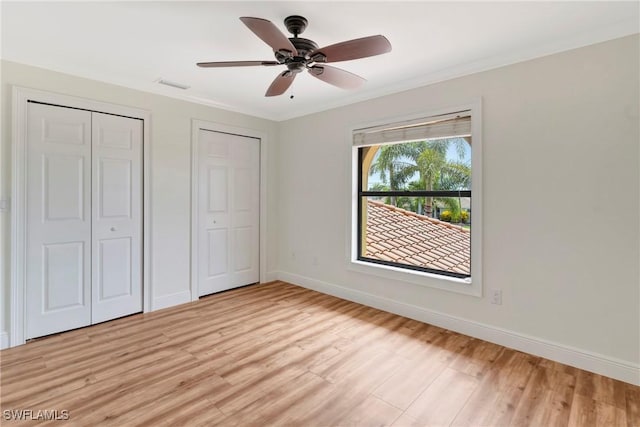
(297, 63)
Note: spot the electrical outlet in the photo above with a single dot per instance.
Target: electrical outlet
(4, 205)
(496, 296)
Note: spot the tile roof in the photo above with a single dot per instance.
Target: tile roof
(401, 236)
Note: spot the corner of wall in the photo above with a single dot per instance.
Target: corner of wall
(271, 276)
(4, 340)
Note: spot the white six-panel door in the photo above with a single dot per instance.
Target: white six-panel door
(116, 216)
(83, 218)
(228, 211)
(59, 219)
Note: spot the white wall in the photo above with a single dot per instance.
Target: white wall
(561, 200)
(170, 163)
(561, 206)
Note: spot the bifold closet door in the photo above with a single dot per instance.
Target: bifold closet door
(228, 211)
(84, 218)
(58, 273)
(116, 217)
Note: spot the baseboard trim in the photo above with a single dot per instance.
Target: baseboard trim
(4, 340)
(589, 361)
(170, 300)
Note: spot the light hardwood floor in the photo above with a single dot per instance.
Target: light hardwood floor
(278, 354)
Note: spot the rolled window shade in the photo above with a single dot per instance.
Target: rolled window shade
(437, 127)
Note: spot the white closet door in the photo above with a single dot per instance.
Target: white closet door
(117, 216)
(245, 211)
(229, 211)
(58, 219)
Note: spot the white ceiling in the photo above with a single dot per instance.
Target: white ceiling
(135, 43)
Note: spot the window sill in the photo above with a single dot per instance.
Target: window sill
(464, 286)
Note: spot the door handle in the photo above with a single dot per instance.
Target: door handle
(113, 229)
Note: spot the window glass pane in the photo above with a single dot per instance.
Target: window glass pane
(393, 232)
(421, 233)
(441, 164)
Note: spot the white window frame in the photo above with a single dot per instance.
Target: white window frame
(469, 286)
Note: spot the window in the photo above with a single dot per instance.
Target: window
(414, 208)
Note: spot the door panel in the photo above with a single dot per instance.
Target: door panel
(114, 268)
(63, 278)
(115, 188)
(218, 256)
(62, 128)
(242, 190)
(116, 216)
(228, 211)
(119, 137)
(242, 239)
(63, 187)
(58, 249)
(217, 193)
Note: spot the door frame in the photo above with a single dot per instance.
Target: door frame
(196, 126)
(21, 97)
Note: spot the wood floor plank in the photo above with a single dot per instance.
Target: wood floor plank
(441, 402)
(504, 409)
(512, 369)
(280, 355)
(546, 399)
(632, 396)
(113, 397)
(352, 390)
(601, 388)
(272, 407)
(483, 403)
(499, 392)
(372, 412)
(476, 359)
(405, 385)
(406, 421)
(254, 388)
(589, 412)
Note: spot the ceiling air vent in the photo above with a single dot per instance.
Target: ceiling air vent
(173, 84)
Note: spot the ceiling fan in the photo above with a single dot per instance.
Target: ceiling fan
(298, 54)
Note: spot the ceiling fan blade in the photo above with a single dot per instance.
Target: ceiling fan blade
(281, 84)
(235, 64)
(270, 34)
(352, 49)
(337, 77)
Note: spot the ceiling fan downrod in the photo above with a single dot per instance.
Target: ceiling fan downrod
(296, 24)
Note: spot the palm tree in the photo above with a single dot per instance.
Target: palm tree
(398, 163)
(392, 166)
(456, 176)
(429, 158)
(435, 172)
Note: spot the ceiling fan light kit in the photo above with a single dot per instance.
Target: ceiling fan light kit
(299, 54)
